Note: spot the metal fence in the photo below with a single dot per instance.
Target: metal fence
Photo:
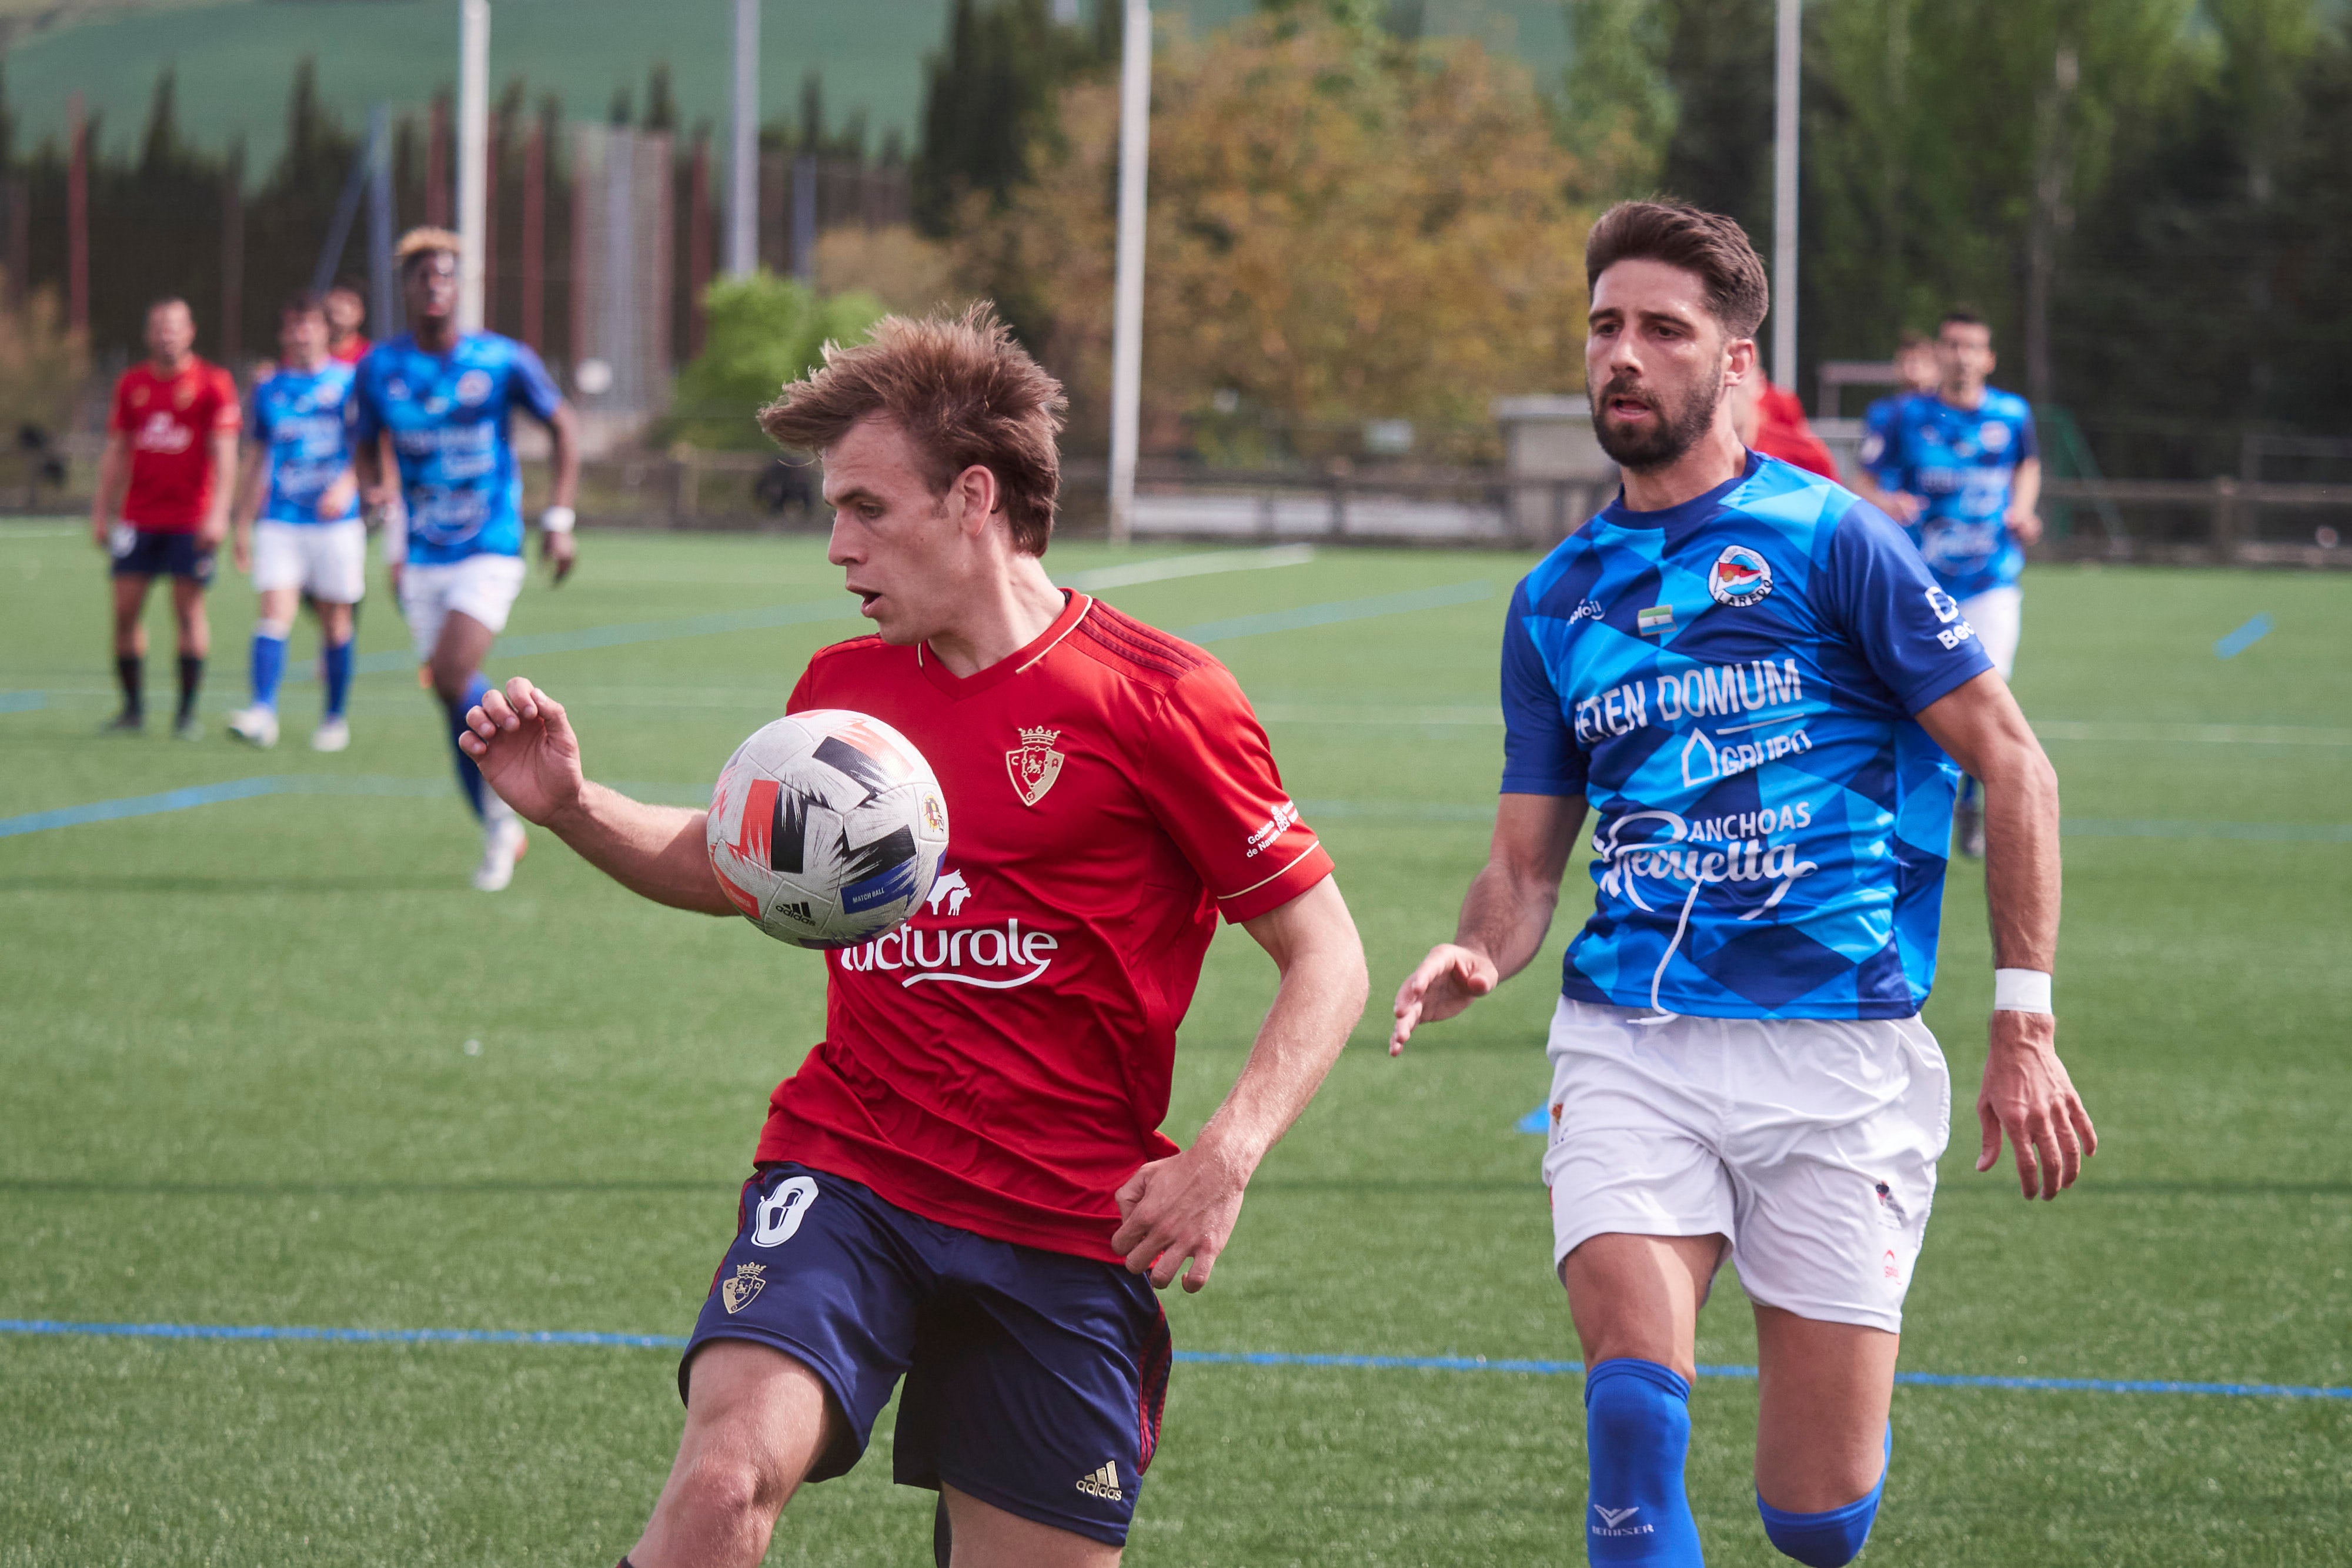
(2218, 521)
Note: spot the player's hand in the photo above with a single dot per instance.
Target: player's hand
(1447, 981)
(1179, 1208)
(241, 548)
(99, 529)
(337, 498)
(524, 746)
(559, 551)
(2026, 526)
(211, 532)
(2028, 1095)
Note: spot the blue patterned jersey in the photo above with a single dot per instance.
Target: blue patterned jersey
(302, 418)
(447, 414)
(1729, 683)
(1962, 462)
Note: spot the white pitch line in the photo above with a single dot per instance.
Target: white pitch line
(1168, 567)
(2201, 734)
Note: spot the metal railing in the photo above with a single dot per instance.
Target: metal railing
(2209, 521)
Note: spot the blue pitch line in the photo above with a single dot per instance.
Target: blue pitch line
(690, 794)
(214, 795)
(51, 1326)
(626, 633)
(23, 702)
(2243, 638)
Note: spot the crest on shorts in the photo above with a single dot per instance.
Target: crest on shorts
(738, 1292)
(1035, 764)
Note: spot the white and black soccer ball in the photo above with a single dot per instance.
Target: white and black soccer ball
(827, 828)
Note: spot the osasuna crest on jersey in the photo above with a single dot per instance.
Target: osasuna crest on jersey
(1035, 764)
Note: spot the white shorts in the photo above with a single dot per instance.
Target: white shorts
(1999, 615)
(1811, 1143)
(326, 560)
(482, 587)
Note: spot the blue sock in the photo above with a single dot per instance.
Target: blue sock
(469, 778)
(1827, 1540)
(1968, 796)
(338, 677)
(268, 662)
(1637, 1431)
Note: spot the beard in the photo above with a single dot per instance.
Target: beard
(1674, 430)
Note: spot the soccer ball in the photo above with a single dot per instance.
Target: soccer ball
(827, 828)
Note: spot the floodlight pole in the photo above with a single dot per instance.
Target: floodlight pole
(1786, 55)
(1126, 313)
(473, 153)
(743, 146)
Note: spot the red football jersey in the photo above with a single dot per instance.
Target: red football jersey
(170, 424)
(353, 351)
(1001, 1063)
(1782, 431)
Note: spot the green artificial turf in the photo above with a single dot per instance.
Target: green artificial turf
(236, 1089)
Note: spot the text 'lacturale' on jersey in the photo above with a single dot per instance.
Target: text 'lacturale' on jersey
(1002, 1061)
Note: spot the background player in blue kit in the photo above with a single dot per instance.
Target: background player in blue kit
(1959, 468)
(1752, 678)
(308, 538)
(442, 399)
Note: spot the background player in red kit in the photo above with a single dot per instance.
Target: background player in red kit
(171, 446)
(964, 1183)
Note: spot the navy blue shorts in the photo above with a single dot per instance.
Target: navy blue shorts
(151, 552)
(1034, 1379)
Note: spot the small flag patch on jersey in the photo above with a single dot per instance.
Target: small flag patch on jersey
(1657, 618)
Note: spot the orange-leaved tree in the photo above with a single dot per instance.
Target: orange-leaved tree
(1343, 227)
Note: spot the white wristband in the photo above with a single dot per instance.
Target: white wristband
(557, 521)
(2020, 991)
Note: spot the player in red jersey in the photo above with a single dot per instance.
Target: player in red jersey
(346, 314)
(161, 506)
(965, 1184)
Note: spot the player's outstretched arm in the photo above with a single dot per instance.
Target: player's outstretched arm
(250, 481)
(215, 527)
(1504, 916)
(524, 743)
(113, 468)
(1900, 505)
(2024, 517)
(2027, 1094)
(557, 546)
(1185, 1206)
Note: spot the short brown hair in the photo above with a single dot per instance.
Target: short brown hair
(1708, 243)
(303, 302)
(964, 392)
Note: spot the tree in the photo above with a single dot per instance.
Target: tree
(990, 99)
(1617, 107)
(1343, 227)
(761, 332)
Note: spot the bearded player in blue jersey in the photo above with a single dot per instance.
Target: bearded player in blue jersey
(1960, 467)
(298, 520)
(442, 399)
(1752, 678)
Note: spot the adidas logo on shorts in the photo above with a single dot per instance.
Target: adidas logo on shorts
(1103, 1484)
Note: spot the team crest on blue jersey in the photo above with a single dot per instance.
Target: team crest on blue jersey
(1741, 576)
